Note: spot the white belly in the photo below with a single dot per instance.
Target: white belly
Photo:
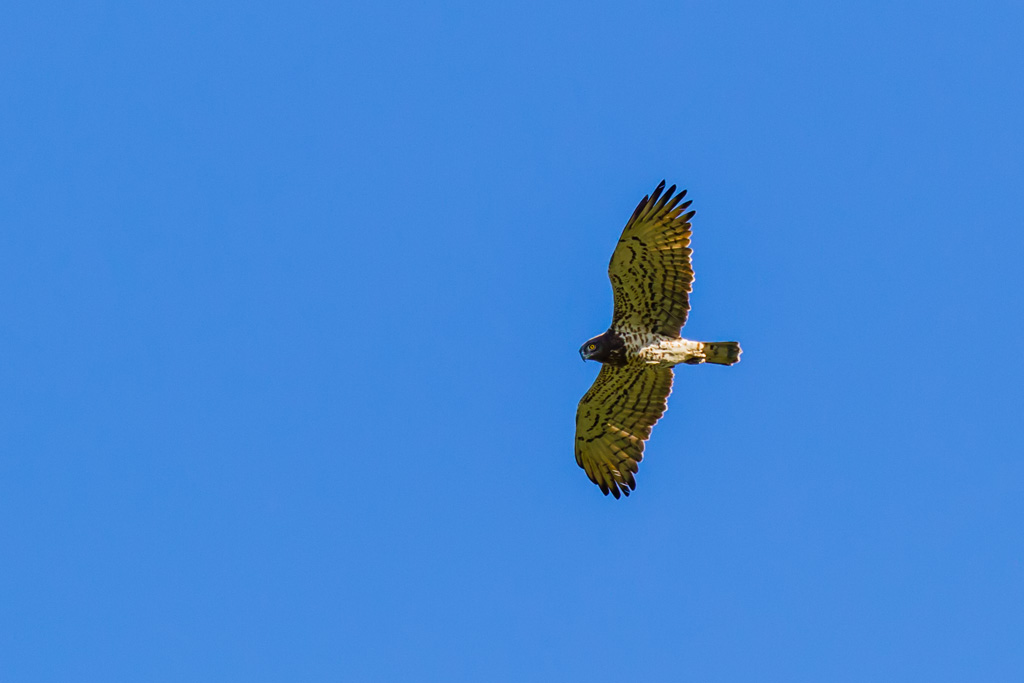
(672, 352)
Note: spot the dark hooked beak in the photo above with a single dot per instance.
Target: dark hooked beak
(582, 356)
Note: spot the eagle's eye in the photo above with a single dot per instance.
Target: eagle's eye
(591, 347)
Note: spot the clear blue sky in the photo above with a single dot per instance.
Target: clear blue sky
(291, 297)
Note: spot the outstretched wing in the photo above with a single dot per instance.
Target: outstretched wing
(650, 268)
(614, 419)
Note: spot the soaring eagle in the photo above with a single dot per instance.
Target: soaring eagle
(651, 281)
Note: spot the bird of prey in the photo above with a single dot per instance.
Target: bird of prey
(651, 281)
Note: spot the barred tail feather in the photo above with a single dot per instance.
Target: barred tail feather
(723, 353)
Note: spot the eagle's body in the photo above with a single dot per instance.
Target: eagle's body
(651, 278)
(658, 349)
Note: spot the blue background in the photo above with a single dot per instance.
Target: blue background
(292, 295)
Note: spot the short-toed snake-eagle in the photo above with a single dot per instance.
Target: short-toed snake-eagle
(651, 279)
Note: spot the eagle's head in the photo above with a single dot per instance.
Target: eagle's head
(605, 348)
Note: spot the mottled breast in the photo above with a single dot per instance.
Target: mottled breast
(636, 340)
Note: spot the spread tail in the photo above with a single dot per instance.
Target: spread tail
(723, 353)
